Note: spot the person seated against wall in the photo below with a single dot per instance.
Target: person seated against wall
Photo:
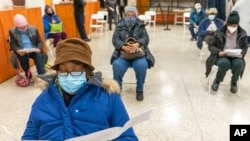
(230, 37)
(24, 36)
(208, 26)
(196, 16)
(50, 18)
(76, 101)
(131, 26)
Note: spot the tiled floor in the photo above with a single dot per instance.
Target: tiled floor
(176, 86)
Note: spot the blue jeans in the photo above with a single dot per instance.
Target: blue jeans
(139, 65)
(24, 62)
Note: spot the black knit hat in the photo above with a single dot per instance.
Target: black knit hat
(233, 18)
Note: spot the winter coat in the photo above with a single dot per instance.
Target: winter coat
(197, 18)
(47, 22)
(217, 43)
(204, 24)
(243, 8)
(92, 109)
(138, 32)
(16, 40)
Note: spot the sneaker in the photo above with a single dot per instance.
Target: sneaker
(32, 82)
(87, 40)
(233, 88)
(139, 96)
(215, 85)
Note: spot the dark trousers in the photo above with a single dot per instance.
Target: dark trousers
(24, 62)
(112, 15)
(57, 37)
(121, 11)
(226, 63)
(193, 33)
(79, 18)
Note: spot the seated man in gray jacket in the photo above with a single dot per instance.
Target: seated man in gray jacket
(26, 43)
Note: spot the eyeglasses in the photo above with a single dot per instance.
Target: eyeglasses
(73, 73)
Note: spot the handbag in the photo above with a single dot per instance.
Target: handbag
(22, 81)
(56, 27)
(131, 56)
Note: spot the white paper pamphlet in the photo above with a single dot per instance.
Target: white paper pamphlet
(114, 132)
(233, 52)
(28, 50)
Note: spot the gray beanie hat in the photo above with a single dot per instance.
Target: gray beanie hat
(131, 9)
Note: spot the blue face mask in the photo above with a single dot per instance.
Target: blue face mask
(130, 20)
(71, 84)
(198, 10)
(211, 17)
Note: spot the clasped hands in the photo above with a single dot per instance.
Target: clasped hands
(23, 52)
(131, 48)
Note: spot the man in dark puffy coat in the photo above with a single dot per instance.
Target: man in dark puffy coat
(230, 38)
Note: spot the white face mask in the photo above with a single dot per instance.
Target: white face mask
(231, 29)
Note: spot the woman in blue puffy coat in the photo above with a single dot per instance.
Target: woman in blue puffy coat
(77, 102)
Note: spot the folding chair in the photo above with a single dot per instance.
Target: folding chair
(152, 20)
(185, 20)
(103, 21)
(145, 19)
(96, 25)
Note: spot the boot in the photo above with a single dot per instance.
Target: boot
(110, 26)
(233, 88)
(139, 96)
(215, 85)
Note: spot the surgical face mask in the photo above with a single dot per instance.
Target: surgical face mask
(211, 17)
(130, 20)
(198, 10)
(231, 29)
(72, 82)
(50, 14)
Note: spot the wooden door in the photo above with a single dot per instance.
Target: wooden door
(142, 6)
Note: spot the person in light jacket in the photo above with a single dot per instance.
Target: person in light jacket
(77, 101)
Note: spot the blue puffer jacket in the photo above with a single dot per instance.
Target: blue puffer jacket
(91, 109)
(46, 24)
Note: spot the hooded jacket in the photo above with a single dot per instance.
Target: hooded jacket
(138, 31)
(217, 43)
(96, 106)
